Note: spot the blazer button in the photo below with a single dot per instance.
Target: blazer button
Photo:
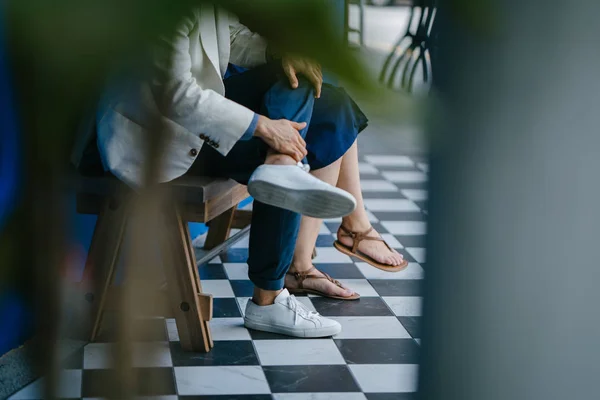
(216, 145)
(193, 152)
(202, 136)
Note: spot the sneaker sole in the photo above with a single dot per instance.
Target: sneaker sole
(306, 333)
(314, 203)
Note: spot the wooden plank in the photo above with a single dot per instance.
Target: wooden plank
(219, 229)
(102, 260)
(241, 219)
(182, 285)
(219, 205)
(205, 301)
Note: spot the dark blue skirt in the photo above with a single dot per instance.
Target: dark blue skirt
(334, 120)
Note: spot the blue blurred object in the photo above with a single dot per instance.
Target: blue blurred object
(8, 139)
(197, 229)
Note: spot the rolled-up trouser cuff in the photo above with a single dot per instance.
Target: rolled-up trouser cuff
(266, 284)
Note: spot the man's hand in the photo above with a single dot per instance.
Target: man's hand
(311, 70)
(282, 136)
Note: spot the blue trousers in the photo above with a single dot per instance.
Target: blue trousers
(333, 122)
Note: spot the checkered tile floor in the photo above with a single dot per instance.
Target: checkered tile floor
(375, 357)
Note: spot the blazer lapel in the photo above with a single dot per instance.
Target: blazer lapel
(208, 34)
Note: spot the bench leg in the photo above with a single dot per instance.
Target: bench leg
(101, 261)
(183, 284)
(219, 229)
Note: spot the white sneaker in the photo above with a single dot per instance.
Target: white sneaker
(291, 187)
(287, 316)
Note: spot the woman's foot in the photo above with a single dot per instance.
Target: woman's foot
(316, 281)
(375, 249)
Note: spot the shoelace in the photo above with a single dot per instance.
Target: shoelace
(300, 310)
(304, 167)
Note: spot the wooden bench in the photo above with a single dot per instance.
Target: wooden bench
(196, 199)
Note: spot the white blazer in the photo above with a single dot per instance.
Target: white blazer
(186, 93)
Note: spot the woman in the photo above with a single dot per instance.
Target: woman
(331, 143)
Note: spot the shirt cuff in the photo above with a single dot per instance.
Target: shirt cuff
(250, 131)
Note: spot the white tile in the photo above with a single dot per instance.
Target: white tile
(330, 255)
(228, 329)
(370, 215)
(405, 306)
(392, 241)
(298, 352)
(216, 260)
(243, 243)
(152, 354)
(371, 328)
(423, 166)
(199, 241)
(395, 205)
(418, 341)
(366, 168)
(242, 301)
(360, 286)
(172, 332)
(97, 356)
(324, 230)
(418, 253)
(415, 194)
(412, 271)
(405, 176)
(235, 271)
(319, 396)
(69, 385)
(407, 228)
(399, 378)
(376, 185)
(217, 287)
(389, 161)
(221, 380)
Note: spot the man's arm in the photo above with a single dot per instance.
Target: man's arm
(248, 49)
(182, 99)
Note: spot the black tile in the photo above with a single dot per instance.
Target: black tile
(341, 271)
(229, 397)
(379, 351)
(406, 256)
(235, 256)
(365, 306)
(400, 216)
(310, 378)
(151, 382)
(411, 240)
(234, 352)
(325, 241)
(332, 226)
(147, 330)
(212, 271)
(398, 287)
(422, 204)
(225, 308)
(73, 361)
(391, 396)
(242, 288)
(412, 325)
(384, 195)
(412, 185)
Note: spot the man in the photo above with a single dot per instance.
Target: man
(187, 92)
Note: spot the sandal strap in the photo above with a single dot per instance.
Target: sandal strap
(302, 276)
(358, 237)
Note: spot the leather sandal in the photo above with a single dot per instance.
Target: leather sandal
(353, 251)
(302, 276)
